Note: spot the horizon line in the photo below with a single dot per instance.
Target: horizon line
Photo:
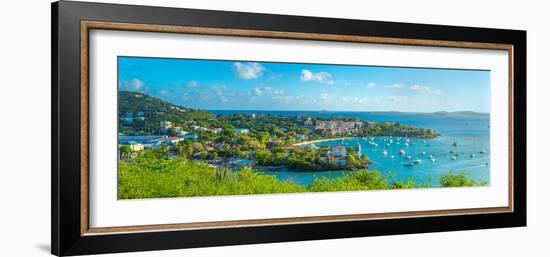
(478, 112)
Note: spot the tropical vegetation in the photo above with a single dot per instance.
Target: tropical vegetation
(149, 175)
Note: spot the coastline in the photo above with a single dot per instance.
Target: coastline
(323, 140)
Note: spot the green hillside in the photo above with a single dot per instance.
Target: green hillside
(154, 110)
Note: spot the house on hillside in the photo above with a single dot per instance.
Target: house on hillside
(127, 120)
(165, 126)
(174, 140)
(182, 133)
(242, 131)
(301, 137)
(191, 136)
(135, 146)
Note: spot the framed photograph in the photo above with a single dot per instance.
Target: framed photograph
(178, 128)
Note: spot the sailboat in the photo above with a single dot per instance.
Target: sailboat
(454, 149)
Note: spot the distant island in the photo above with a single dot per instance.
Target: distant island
(148, 123)
(471, 113)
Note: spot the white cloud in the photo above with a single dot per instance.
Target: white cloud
(251, 70)
(324, 96)
(424, 89)
(394, 86)
(321, 77)
(134, 84)
(164, 92)
(371, 85)
(259, 91)
(396, 98)
(192, 84)
(273, 91)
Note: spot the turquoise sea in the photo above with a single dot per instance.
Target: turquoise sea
(469, 131)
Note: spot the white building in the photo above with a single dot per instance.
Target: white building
(242, 131)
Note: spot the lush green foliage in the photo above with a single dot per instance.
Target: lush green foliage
(458, 180)
(308, 159)
(149, 175)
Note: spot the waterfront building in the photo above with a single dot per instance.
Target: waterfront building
(337, 127)
(338, 152)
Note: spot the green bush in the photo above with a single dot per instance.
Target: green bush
(458, 180)
(148, 176)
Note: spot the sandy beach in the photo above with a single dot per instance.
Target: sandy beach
(323, 140)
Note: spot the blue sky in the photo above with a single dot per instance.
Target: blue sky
(241, 85)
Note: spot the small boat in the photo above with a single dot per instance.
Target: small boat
(423, 153)
(433, 160)
(401, 152)
(431, 156)
(387, 144)
(409, 157)
(473, 155)
(391, 156)
(406, 144)
(453, 157)
(417, 161)
(408, 164)
(385, 152)
(483, 151)
(424, 141)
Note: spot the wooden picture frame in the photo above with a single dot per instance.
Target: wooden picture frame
(71, 25)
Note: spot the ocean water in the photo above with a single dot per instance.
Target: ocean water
(470, 132)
